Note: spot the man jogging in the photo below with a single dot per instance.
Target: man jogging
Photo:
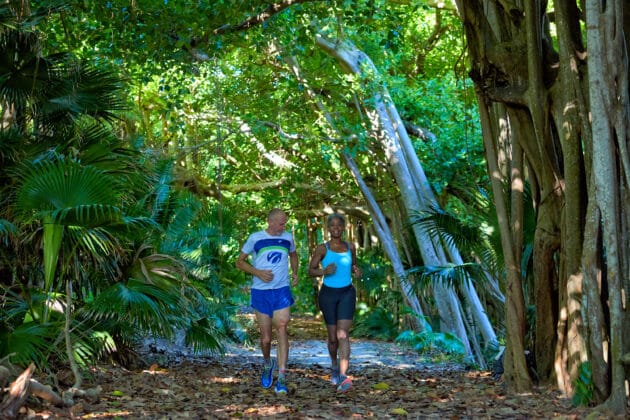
(272, 251)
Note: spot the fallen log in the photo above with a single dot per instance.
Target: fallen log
(21, 388)
(45, 392)
(18, 391)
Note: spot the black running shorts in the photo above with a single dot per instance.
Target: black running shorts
(337, 303)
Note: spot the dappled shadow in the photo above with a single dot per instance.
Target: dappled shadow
(389, 382)
(230, 388)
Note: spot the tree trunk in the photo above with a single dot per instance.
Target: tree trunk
(386, 239)
(415, 189)
(515, 368)
(378, 219)
(551, 97)
(610, 105)
(575, 137)
(18, 391)
(595, 319)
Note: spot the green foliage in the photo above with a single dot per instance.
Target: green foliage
(430, 342)
(176, 155)
(6, 228)
(31, 342)
(67, 192)
(25, 336)
(379, 323)
(91, 346)
(380, 307)
(583, 385)
(450, 274)
(101, 208)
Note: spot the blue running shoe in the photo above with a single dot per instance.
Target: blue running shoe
(267, 374)
(281, 385)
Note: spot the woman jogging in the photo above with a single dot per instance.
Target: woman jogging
(335, 261)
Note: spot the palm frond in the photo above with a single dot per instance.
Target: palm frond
(24, 73)
(87, 215)
(91, 346)
(449, 274)
(79, 89)
(185, 210)
(7, 18)
(96, 241)
(203, 336)
(13, 308)
(44, 11)
(450, 230)
(144, 305)
(65, 189)
(30, 342)
(428, 340)
(99, 147)
(377, 323)
(162, 188)
(11, 147)
(6, 229)
(158, 269)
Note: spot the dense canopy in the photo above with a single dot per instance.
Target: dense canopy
(478, 149)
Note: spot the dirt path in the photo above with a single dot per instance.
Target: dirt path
(389, 382)
(307, 348)
(384, 387)
(365, 353)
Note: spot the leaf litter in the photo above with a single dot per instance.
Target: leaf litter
(388, 382)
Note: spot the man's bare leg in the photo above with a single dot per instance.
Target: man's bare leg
(281, 319)
(264, 327)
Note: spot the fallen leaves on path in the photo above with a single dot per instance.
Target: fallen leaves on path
(229, 388)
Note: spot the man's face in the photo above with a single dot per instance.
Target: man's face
(277, 224)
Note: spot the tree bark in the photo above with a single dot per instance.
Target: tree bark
(386, 238)
(610, 102)
(18, 391)
(515, 368)
(548, 115)
(378, 219)
(594, 317)
(415, 189)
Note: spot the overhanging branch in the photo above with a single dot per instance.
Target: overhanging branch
(269, 12)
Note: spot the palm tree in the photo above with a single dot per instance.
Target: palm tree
(73, 190)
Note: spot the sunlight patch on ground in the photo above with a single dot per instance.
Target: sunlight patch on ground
(155, 369)
(108, 414)
(225, 380)
(260, 411)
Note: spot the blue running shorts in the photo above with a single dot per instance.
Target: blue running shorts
(268, 301)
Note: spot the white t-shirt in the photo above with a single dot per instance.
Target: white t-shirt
(270, 253)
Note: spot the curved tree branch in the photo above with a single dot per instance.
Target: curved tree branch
(269, 12)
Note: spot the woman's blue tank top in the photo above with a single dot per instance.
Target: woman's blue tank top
(343, 261)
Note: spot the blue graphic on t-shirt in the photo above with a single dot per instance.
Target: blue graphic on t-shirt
(270, 243)
(274, 257)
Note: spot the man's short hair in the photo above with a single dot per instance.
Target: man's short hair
(275, 212)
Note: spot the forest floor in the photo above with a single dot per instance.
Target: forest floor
(389, 382)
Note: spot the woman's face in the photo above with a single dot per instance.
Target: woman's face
(336, 227)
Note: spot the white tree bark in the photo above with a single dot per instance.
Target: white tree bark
(387, 240)
(380, 224)
(415, 190)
